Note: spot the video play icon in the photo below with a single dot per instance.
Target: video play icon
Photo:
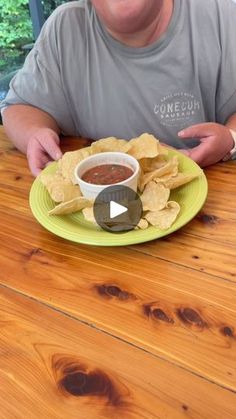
(117, 209)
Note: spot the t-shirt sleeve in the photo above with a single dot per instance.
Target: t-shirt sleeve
(226, 90)
(38, 83)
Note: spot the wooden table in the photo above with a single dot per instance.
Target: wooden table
(145, 331)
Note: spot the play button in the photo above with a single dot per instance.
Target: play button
(117, 209)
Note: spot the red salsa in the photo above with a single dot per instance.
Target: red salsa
(107, 174)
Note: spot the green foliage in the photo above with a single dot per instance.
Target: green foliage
(15, 23)
(15, 31)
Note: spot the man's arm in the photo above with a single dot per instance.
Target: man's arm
(35, 133)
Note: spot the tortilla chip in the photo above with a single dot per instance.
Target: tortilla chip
(154, 197)
(148, 164)
(176, 181)
(89, 215)
(165, 217)
(142, 225)
(59, 189)
(69, 161)
(144, 146)
(110, 144)
(170, 168)
(72, 206)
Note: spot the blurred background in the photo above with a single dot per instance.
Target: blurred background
(20, 22)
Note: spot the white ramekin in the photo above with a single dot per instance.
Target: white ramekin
(90, 190)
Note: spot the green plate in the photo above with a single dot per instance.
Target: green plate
(74, 227)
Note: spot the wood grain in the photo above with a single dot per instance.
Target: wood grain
(168, 312)
(60, 368)
(163, 313)
(206, 255)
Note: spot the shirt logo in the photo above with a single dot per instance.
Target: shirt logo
(178, 109)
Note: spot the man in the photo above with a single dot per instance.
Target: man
(122, 67)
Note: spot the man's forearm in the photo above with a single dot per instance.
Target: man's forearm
(21, 122)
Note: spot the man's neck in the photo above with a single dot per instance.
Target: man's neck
(151, 33)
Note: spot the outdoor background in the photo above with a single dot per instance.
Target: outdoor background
(16, 31)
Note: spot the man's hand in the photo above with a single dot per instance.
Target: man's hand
(43, 147)
(215, 142)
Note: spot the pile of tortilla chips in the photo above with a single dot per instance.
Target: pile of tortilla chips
(158, 175)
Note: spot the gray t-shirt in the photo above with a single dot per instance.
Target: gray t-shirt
(96, 87)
